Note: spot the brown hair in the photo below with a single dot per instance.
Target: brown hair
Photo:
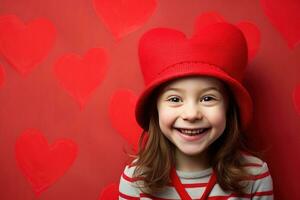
(156, 154)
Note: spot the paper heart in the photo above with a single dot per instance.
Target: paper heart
(250, 31)
(124, 16)
(2, 76)
(110, 192)
(42, 164)
(81, 76)
(122, 117)
(296, 98)
(252, 35)
(285, 17)
(25, 46)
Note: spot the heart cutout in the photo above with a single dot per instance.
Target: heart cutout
(250, 31)
(296, 98)
(252, 35)
(81, 76)
(110, 192)
(25, 46)
(123, 103)
(42, 164)
(284, 16)
(122, 17)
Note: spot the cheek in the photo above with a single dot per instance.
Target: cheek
(166, 118)
(217, 116)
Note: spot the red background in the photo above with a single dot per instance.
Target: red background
(38, 100)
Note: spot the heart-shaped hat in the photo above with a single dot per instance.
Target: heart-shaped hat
(218, 50)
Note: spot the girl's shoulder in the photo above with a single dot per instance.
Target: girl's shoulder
(129, 170)
(130, 185)
(259, 176)
(254, 165)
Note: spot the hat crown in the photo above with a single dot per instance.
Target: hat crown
(222, 45)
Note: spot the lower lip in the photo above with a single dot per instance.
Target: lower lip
(190, 138)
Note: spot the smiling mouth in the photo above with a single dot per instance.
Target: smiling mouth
(192, 132)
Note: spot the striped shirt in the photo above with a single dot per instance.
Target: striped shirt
(259, 185)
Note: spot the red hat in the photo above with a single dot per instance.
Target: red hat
(218, 50)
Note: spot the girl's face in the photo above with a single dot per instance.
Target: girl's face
(192, 113)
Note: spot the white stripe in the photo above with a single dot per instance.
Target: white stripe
(128, 188)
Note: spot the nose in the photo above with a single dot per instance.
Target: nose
(191, 112)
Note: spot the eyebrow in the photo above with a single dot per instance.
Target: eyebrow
(181, 90)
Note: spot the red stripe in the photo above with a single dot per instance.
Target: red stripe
(260, 176)
(190, 185)
(128, 197)
(130, 179)
(194, 185)
(265, 193)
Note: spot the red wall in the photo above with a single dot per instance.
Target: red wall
(69, 81)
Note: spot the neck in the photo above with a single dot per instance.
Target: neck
(191, 163)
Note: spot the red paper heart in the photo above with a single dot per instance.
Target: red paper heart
(25, 46)
(122, 117)
(285, 16)
(252, 35)
(81, 76)
(110, 192)
(250, 31)
(2, 76)
(124, 16)
(296, 98)
(43, 164)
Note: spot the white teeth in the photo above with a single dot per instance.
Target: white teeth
(191, 131)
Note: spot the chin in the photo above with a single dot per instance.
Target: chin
(191, 152)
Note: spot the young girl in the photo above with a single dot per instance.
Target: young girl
(194, 111)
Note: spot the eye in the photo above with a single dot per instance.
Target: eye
(174, 99)
(208, 98)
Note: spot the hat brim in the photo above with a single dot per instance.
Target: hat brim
(241, 95)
